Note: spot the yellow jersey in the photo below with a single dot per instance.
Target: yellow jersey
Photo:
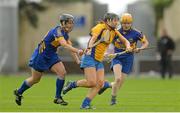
(102, 31)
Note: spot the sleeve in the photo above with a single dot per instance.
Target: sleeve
(95, 31)
(59, 39)
(58, 35)
(118, 33)
(141, 36)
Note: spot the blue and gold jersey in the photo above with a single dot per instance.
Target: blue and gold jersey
(132, 35)
(101, 30)
(45, 56)
(50, 43)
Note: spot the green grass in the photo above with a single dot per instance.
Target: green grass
(139, 94)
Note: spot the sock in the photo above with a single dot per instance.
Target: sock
(107, 84)
(86, 102)
(73, 84)
(113, 97)
(23, 87)
(59, 87)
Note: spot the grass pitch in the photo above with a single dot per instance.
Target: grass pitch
(138, 94)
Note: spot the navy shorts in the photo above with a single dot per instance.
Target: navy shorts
(41, 62)
(126, 62)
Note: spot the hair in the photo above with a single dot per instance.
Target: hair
(110, 16)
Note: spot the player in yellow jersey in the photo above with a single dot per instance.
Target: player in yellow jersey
(101, 37)
(122, 64)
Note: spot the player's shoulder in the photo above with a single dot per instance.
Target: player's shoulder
(99, 26)
(57, 31)
(136, 30)
(56, 28)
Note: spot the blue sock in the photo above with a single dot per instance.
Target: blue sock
(107, 84)
(59, 87)
(23, 87)
(73, 84)
(86, 102)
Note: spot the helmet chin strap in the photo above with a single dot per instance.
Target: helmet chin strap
(110, 26)
(68, 29)
(127, 28)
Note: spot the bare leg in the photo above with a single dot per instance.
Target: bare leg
(100, 81)
(116, 85)
(94, 90)
(35, 78)
(60, 71)
(90, 81)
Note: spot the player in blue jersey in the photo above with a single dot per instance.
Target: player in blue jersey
(122, 65)
(104, 33)
(45, 58)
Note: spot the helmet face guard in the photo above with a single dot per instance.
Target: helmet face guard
(111, 19)
(67, 22)
(126, 21)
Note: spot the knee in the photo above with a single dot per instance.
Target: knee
(36, 80)
(91, 84)
(100, 84)
(62, 74)
(118, 80)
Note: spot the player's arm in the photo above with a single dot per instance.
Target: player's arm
(124, 41)
(64, 43)
(95, 31)
(74, 55)
(92, 41)
(109, 52)
(91, 44)
(144, 44)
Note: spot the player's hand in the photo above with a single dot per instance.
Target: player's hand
(87, 51)
(80, 52)
(78, 62)
(106, 55)
(111, 56)
(129, 49)
(137, 50)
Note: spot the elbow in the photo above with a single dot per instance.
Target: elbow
(146, 44)
(127, 43)
(63, 43)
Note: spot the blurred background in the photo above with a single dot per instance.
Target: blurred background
(23, 23)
